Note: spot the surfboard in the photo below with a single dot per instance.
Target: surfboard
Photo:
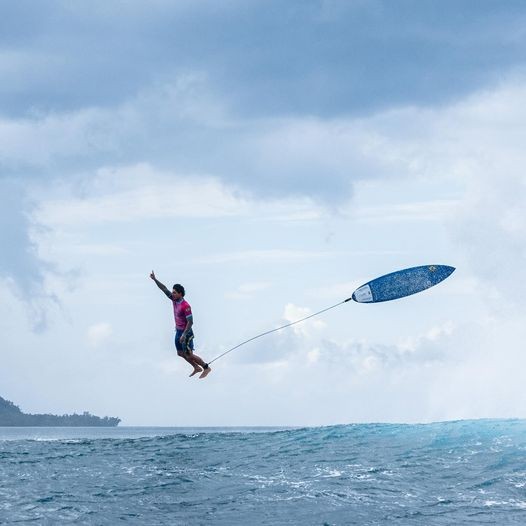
(401, 283)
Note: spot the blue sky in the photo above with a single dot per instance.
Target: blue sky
(272, 157)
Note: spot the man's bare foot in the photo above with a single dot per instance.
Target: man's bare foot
(195, 371)
(205, 372)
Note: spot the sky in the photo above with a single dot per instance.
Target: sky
(271, 157)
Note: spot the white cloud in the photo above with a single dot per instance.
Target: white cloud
(46, 138)
(469, 155)
(182, 124)
(262, 255)
(478, 141)
(436, 210)
(294, 313)
(138, 192)
(99, 333)
(248, 290)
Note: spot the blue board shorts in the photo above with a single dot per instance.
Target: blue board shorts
(188, 345)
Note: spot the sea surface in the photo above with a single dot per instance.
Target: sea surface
(465, 472)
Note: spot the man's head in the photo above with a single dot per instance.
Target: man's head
(177, 291)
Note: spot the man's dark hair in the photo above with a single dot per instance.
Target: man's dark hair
(178, 288)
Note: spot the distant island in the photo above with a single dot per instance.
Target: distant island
(11, 415)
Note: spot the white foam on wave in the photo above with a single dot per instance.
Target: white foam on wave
(510, 503)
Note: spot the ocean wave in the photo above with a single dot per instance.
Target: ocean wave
(440, 473)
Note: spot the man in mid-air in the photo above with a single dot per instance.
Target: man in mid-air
(184, 336)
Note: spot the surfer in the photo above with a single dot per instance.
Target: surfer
(184, 336)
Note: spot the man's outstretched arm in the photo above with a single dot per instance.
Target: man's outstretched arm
(160, 285)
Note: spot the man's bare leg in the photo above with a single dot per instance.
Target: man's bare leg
(199, 361)
(199, 365)
(196, 370)
(206, 371)
(189, 358)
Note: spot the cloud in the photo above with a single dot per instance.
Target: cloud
(99, 333)
(136, 193)
(478, 144)
(293, 314)
(158, 117)
(185, 125)
(183, 128)
(19, 253)
(493, 235)
(367, 55)
(263, 255)
(20, 264)
(247, 290)
(449, 371)
(43, 141)
(167, 128)
(436, 210)
(364, 358)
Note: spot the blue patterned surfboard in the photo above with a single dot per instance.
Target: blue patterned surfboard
(401, 283)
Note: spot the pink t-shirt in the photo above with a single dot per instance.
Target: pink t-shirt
(182, 311)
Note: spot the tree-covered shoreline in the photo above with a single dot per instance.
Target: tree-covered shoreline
(11, 415)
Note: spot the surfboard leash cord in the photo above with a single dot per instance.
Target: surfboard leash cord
(278, 329)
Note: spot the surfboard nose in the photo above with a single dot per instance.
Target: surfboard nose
(446, 271)
(402, 283)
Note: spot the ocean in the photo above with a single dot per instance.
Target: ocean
(464, 472)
